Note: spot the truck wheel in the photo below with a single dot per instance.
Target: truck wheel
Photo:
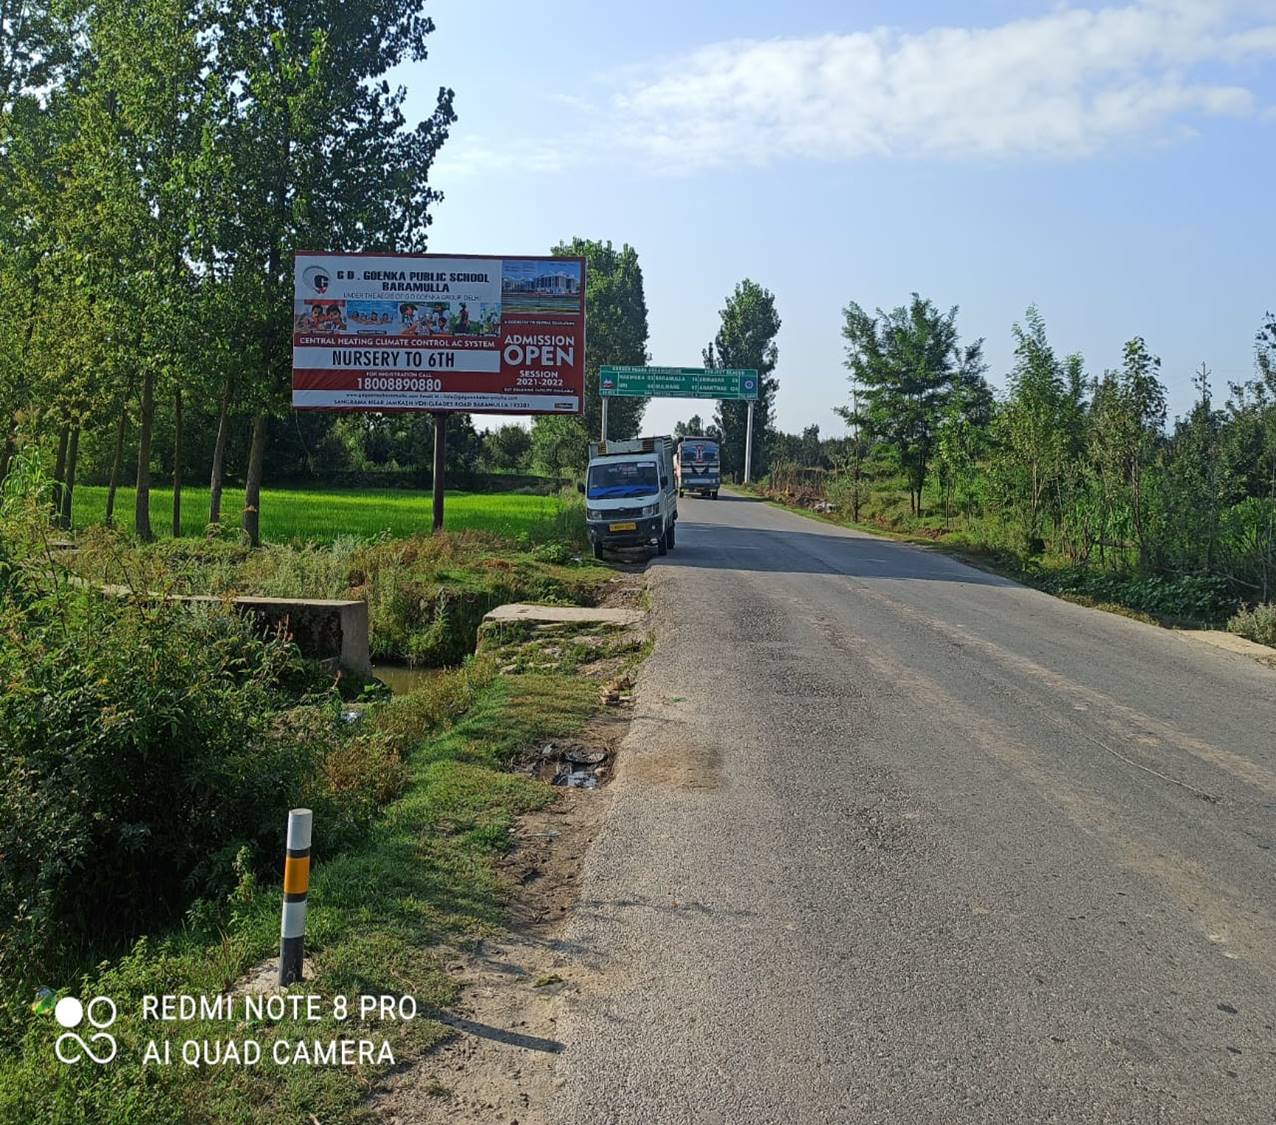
(669, 537)
(715, 493)
(680, 494)
(598, 550)
(662, 545)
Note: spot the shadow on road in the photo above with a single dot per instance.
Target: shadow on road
(714, 546)
(500, 1035)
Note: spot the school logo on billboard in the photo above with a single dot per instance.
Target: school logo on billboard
(316, 279)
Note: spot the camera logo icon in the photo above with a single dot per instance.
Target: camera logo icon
(71, 1046)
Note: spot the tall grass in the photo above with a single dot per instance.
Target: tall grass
(1256, 623)
(323, 516)
(426, 594)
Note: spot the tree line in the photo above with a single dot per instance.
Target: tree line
(1081, 467)
(160, 162)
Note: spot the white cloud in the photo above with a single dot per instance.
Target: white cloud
(1063, 84)
(1067, 83)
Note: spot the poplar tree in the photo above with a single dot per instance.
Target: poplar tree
(746, 339)
(321, 157)
(1032, 430)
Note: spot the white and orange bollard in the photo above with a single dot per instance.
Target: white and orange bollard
(292, 935)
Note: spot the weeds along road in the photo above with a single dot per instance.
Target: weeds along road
(896, 840)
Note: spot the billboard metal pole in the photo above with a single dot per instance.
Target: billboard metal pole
(440, 451)
(748, 447)
(604, 433)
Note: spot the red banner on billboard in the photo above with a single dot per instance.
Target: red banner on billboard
(486, 335)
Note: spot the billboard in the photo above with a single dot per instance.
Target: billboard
(489, 335)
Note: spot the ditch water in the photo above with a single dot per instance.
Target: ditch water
(402, 678)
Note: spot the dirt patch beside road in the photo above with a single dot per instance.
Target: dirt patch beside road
(499, 1066)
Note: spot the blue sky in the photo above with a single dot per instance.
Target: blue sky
(1111, 162)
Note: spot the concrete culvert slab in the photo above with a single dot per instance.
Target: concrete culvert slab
(565, 614)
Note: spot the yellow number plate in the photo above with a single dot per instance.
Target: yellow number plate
(622, 527)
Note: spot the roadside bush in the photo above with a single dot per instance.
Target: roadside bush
(350, 778)
(426, 594)
(220, 562)
(1197, 598)
(143, 746)
(568, 524)
(558, 553)
(1256, 623)
(138, 748)
(431, 705)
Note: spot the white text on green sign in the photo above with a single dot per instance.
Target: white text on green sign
(678, 382)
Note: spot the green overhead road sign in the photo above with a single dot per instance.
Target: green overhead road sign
(677, 382)
(730, 383)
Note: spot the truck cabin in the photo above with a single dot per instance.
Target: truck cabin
(612, 480)
(698, 450)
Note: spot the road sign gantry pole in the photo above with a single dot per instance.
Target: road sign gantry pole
(748, 446)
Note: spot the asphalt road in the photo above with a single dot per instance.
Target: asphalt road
(896, 840)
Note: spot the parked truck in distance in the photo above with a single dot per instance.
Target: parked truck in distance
(631, 498)
(698, 466)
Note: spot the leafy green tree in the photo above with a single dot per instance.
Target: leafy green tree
(35, 45)
(507, 448)
(693, 426)
(463, 444)
(1032, 431)
(560, 446)
(746, 339)
(805, 449)
(1127, 425)
(313, 114)
(1076, 501)
(905, 364)
(1251, 446)
(41, 57)
(143, 111)
(785, 449)
(1249, 454)
(810, 452)
(616, 307)
(963, 441)
(1198, 487)
(397, 442)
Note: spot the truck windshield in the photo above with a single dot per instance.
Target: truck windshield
(622, 478)
(699, 451)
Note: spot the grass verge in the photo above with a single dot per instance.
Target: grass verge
(1191, 603)
(380, 913)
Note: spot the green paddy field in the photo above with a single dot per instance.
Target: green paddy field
(321, 515)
